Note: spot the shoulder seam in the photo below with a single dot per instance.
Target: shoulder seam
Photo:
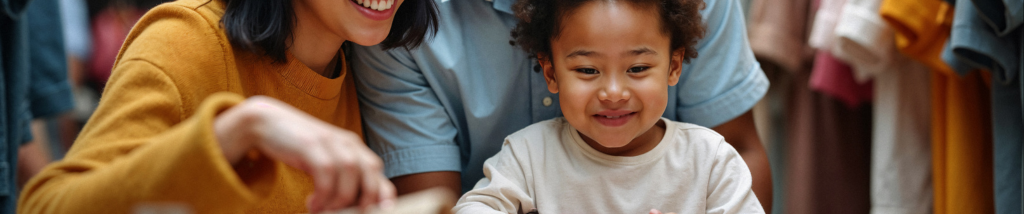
(223, 48)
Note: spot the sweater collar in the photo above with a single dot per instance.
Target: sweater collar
(309, 81)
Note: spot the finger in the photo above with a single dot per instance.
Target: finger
(655, 211)
(324, 176)
(372, 166)
(369, 191)
(348, 176)
(387, 193)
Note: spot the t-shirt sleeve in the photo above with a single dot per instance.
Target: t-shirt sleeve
(502, 190)
(729, 185)
(725, 80)
(392, 91)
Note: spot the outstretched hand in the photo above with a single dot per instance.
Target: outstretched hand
(345, 171)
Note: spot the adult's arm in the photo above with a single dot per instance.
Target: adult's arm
(405, 122)
(147, 141)
(421, 181)
(139, 148)
(719, 88)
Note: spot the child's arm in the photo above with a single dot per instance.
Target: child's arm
(502, 190)
(729, 187)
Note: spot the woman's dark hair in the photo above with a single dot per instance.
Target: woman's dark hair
(263, 26)
(540, 21)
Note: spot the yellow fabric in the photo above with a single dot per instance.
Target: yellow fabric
(151, 140)
(922, 28)
(961, 117)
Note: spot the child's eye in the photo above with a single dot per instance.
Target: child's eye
(637, 69)
(586, 70)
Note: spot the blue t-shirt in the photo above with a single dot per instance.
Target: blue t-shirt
(448, 104)
(989, 35)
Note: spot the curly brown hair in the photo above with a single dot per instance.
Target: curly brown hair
(540, 21)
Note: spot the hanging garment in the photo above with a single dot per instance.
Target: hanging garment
(961, 126)
(829, 148)
(978, 42)
(829, 75)
(901, 173)
(864, 39)
(901, 176)
(778, 33)
(835, 78)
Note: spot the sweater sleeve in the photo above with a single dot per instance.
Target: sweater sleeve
(729, 185)
(502, 190)
(139, 149)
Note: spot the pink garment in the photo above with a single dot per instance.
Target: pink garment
(835, 78)
(109, 30)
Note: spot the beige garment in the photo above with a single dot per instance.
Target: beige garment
(548, 167)
(901, 172)
(778, 32)
(865, 41)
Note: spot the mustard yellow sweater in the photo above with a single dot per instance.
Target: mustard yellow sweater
(151, 140)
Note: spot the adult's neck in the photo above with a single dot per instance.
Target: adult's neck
(312, 41)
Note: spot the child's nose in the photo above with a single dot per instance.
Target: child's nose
(613, 92)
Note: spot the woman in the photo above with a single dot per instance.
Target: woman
(222, 106)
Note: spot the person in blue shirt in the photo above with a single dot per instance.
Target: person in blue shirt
(33, 81)
(436, 112)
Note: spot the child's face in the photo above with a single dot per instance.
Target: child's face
(612, 67)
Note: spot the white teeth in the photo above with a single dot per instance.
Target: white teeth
(610, 117)
(379, 5)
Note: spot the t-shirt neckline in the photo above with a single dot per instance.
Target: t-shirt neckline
(655, 153)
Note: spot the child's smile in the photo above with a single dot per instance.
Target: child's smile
(614, 117)
(611, 64)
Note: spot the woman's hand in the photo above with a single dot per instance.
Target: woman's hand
(344, 171)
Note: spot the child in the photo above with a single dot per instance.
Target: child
(612, 63)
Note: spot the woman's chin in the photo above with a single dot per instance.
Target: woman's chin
(368, 41)
(370, 37)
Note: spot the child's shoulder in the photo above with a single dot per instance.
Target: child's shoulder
(694, 129)
(694, 136)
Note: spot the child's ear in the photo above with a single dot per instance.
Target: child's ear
(676, 67)
(549, 72)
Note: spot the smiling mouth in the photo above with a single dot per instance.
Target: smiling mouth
(378, 5)
(616, 116)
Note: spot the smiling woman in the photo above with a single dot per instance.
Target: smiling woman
(233, 106)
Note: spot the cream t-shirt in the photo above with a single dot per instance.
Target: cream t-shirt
(548, 167)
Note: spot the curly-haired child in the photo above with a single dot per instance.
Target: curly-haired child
(612, 63)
